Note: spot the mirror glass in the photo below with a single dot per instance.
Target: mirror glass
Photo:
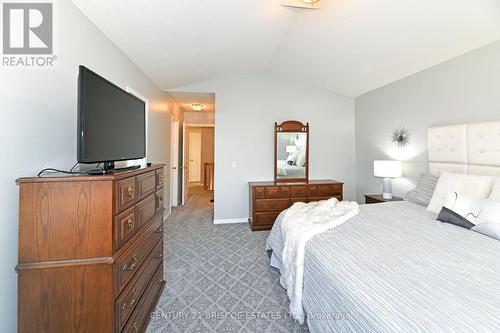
(291, 156)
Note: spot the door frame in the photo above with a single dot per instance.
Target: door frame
(184, 152)
(174, 152)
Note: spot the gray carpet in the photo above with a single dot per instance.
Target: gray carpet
(218, 277)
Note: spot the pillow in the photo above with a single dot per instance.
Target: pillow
(292, 157)
(475, 186)
(466, 206)
(301, 159)
(422, 194)
(448, 216)
(495, 192)
(491, 229)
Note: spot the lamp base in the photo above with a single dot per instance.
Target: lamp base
(387, 189)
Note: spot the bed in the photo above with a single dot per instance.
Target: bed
(284, 170)
(394, 268)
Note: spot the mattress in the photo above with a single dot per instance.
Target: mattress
(290, 171)
(394, 268)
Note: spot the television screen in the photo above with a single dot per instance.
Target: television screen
(111, 122)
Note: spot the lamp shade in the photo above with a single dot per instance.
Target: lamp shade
(387, 169)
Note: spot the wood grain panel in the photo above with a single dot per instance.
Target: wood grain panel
(146, 210)
(68, 299)
(268, 199)
(73, 217)
(67, 272)
(145, 184)
(125, 193)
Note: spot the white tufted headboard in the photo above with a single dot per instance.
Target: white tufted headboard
(465, 148)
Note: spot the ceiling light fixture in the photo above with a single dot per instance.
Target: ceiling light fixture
(310, 2)
(198, 107)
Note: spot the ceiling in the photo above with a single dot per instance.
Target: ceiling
(186, 99)
(348, 46)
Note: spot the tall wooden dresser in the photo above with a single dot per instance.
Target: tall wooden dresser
(90, 251)
(268, 199)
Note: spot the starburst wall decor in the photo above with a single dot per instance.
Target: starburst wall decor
(401, 137)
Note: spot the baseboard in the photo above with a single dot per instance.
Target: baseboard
(227, 221)
(165, 217)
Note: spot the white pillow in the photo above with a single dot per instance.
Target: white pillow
(464, 205)
(293, 157)
(490, 212)
(301, 159)
(495, 192)
(475, 186)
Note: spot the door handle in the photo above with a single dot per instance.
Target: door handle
(173, 168)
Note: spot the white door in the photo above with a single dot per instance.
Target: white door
(194, 157)
(174, 182)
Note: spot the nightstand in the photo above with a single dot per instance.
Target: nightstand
(377, 198)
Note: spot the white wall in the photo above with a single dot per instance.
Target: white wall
(464, 89)
(38, 124)
(246, 109)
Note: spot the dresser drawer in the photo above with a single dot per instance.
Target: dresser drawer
(264, 219)
(159, 200)
(125, 193)
(294, 200)
(124, 227)
(260, 192)
(146, 184)
(140, 315)
(339, 198)
(273, 192)
(129, 298)
(328, 190)
(271, 204)
(159, 178)
(145, 210)
(128, 264)
(299, 191)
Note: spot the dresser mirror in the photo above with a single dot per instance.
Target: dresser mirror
(291, 152)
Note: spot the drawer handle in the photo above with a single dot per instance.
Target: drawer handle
(131, 303)
(160, 280)
(130, 191)
(130, 222)
(136, 329)
(159, 257)
(127, 267)
(159, 231)
(161, 178)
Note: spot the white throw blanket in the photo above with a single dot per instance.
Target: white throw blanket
(302, 222)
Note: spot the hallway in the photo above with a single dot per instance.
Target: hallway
(218, 276)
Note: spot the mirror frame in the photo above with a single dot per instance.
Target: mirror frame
(284, 127)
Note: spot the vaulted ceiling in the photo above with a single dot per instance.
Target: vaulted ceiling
(347, 46)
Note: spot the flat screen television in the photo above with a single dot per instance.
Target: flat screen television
(111, 121)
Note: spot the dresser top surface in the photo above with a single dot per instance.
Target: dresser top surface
(60, 177)
(310, 182)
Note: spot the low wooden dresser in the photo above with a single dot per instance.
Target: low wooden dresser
(268, 199)
(90, 251)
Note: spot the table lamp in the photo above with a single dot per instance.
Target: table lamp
(387, 170)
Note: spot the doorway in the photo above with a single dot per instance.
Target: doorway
(193, 146)
(194, 154)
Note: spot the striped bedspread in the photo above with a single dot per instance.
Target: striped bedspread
(393, 268)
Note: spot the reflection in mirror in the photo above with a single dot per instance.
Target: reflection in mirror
(291, 155)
